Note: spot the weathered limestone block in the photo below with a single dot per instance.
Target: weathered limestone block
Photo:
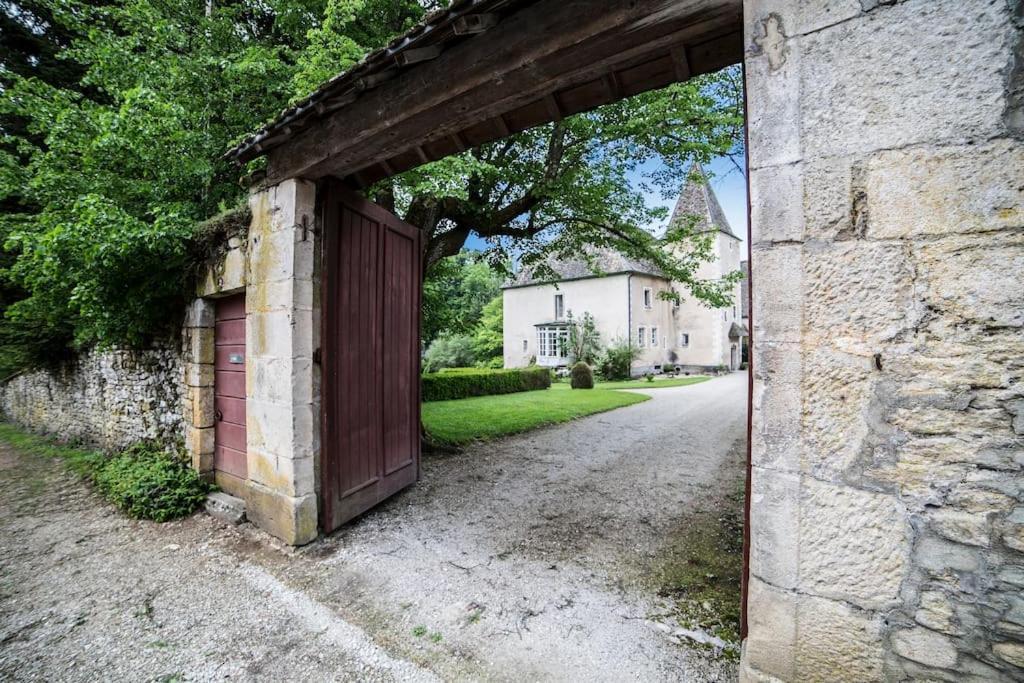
(854, 545)
(773, 108)
(975, 278)
(962, 527)
(227, 274)
(837, 642)
(886, 80)
(1012, 653)
(770, 647)
(932, 191)
(775, 536)
(778, 378)
(199, 374)
(839, 396)
(937, 613)
(775, 204)
(293, 520)
(779, 318)
(925, 647)
(860, 290)
(828, 197)
(1013, 530)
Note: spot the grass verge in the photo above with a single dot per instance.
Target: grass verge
(488, 417)
(656, 384)
(144, 481)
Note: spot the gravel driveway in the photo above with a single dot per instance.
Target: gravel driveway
(523, 559)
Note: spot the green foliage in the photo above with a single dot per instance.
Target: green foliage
(455, 293)
(449, 351)
(649, 376)
(465, 382)
(660, 384)
(150, 483)
(584, 339)
(582, 376)
(488, 417)
(617, 361)
(143, 480)
(488, 340)
(114, 117)
(668, 368)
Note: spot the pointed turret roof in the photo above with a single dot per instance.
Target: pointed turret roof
(698, 199)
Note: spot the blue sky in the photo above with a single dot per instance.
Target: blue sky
(729, 186)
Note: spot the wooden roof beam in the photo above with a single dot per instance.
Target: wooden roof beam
(417, 54)
(474, 23)
(681, 63)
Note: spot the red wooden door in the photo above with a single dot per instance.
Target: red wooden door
(229, 389)
(371, 356)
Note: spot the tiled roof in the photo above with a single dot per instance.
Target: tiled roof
(604, 261)
(698, 199)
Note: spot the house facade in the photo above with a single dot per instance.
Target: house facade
(627, 299)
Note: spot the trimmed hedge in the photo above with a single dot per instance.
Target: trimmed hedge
(465, 382)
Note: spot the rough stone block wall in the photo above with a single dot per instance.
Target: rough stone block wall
(109, 398)
(887, 190)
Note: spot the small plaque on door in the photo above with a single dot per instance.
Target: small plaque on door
(236, 358)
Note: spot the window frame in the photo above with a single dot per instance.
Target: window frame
(648, 298)
(641, 336)
(559, 306)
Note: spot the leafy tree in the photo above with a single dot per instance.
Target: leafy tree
(584, 341)
(449, 351)
(455, 292)
(115, 116)
(488, 340)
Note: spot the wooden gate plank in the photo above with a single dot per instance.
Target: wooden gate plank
(370, 359)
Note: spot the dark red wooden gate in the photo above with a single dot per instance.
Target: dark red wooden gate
(229, 392)
(370, 358)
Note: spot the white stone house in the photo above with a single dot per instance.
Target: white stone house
(626, 299)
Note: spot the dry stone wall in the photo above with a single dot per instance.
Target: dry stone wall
(887, 186)
(109, 398)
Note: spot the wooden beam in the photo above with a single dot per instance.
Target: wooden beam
(681, 63)
(422, 154)
(553, 107)
(501, 126)
(460, 142)
(474, 23)
(612, 86)
(548, 46)
(417, 54)
(388, 168)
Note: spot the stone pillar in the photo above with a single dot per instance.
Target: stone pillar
(887, 186)
(198, 396)
(281, 334)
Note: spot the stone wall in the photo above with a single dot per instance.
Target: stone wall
(108, 398)
(888, 343)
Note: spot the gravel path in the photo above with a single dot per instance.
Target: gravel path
(527, 558)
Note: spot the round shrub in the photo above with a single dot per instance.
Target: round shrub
(582, 376)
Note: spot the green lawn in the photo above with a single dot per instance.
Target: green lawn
(486, 417)
(656, 384)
